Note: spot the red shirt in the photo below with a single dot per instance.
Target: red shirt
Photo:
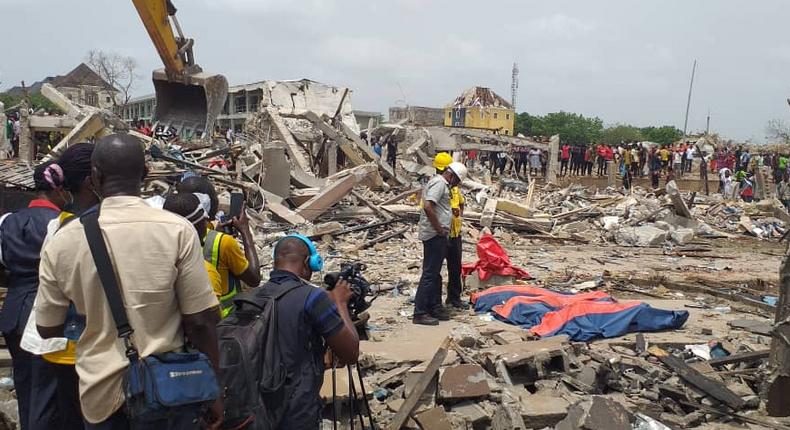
(566, 152)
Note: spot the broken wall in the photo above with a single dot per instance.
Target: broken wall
(304, 94)
(417, 115)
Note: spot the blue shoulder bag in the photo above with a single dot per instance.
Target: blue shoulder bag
(158, 386)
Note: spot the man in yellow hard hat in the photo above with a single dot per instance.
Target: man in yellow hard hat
(454, 245)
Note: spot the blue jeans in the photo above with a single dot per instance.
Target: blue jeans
(429, 290)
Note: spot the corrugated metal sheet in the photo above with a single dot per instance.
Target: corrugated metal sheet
(16, 174)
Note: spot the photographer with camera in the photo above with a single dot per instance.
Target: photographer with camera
(309, 319)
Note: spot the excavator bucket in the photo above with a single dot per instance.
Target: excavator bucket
(190, 106)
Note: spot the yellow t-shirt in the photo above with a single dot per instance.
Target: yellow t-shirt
(231, 261)
(456, 200)
(214, 279)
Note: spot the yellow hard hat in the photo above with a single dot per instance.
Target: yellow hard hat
(442, 160)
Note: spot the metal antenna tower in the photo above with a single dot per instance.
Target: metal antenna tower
(514, 86)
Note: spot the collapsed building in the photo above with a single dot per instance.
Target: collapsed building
(303, 165)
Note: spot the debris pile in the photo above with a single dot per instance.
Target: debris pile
(483, 377)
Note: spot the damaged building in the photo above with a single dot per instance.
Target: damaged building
(593, 307)
(481, 108)
(245, 100)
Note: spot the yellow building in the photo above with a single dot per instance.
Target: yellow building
(481, 108)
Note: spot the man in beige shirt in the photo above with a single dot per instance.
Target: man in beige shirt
(159, 265)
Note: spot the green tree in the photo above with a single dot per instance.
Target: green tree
(619, 133)
(664, 135)
(573, 128)
(37, 101)
(523, 124)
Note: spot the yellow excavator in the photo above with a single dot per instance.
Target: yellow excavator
(187, 99)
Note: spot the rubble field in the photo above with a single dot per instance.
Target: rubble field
(706, 266)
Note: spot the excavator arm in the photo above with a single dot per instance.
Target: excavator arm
(186, 98)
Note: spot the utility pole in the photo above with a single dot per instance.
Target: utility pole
(707, 125)
(688, 102)
(777, 402)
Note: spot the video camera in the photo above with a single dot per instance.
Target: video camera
(360, 287)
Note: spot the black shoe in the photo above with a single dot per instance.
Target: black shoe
(424, 319)
(441, 314)
(457, 304)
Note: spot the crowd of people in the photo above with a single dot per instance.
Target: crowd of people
(735, 166)
(178, 269)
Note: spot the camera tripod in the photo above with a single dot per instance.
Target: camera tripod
(353, 400)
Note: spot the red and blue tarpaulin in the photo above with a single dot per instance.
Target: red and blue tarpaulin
(492, 260)
(582, 317)
(485, 300)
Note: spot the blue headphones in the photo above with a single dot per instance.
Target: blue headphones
(316, 263)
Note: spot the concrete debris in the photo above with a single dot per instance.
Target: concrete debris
(645, 235)
(464, 381)
(596, 413)
(304, 166)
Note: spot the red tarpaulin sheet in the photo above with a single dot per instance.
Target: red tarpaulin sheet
(492, 260)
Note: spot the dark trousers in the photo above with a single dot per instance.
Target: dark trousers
(119, 421)
(563, 166)
(454, 251)
(68, 396)
(36, 387)
(429, 290)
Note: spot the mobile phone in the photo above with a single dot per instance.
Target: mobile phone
(236, 201)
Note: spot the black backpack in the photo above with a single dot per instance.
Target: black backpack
(252, 371)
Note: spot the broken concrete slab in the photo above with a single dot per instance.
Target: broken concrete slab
(682, 236)
(507, 417)
(334, 192)
(596, 413)
(276, 174)
(474, 282)
(472, 413)
(434, 418)
(641, 236)
(89, 126)
(539, 410)
(514, 208)
(489, 211)
(61, 101)
(517, 354)
(291, 145)
(389, 172)
(464, 381)
(751, 325)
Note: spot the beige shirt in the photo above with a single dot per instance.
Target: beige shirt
(159, 264)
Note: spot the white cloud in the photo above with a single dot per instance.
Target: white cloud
(556, 26)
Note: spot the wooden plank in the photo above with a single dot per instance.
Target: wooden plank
(383, 238)
(739, 358)
(400, 196)
(715, 389)
(381, 212)
(425, 379)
